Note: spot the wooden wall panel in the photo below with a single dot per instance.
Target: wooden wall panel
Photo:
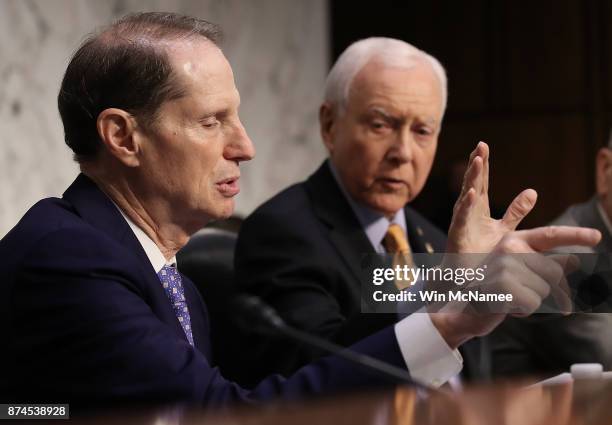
(543, 153)
(544, 54)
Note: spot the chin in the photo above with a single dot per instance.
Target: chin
(226, 209)
(387, 206)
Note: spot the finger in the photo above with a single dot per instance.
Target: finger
(511, 271)
(478, 178)
(562, 296)
(471, 175)
(485, 168)
(519, 208)
(551, 237)
(462, 209)
(552, 272)
(544, 267)
(569, 263)
(478, 151)
(524, 301)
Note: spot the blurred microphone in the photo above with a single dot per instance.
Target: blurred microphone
(255, 315)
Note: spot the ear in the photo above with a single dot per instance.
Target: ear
(116, 129)
(327, 121)
(603, 171)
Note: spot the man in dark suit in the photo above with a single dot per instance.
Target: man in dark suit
(302, 250)
(94, 311)
(548, 344)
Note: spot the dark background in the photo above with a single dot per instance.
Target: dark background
(531, 78)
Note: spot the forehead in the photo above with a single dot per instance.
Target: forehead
(201, 67)
(397, 87)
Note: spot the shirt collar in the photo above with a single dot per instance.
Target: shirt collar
(373, 222)
(154, 254)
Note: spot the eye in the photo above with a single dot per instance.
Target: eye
(210, 125)
(423, 131)
(209, 122)
(379, 126)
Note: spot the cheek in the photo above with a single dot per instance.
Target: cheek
(367, 157)
(424, 161)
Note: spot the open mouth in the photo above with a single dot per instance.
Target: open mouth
(229, 187)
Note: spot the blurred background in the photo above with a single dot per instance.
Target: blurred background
(532, 78)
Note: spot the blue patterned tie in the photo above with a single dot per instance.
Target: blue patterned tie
(171, 281)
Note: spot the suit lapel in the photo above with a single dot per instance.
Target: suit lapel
(345, 232)
(99, 211)
(415, 234)
(422, 236)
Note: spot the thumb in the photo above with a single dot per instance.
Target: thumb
(519, 208)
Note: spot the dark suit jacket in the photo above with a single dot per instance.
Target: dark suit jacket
(84, 319)
(302, 251)
(548, 344)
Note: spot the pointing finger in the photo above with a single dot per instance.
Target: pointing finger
(551, 237)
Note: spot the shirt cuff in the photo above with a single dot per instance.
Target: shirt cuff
(429, 358)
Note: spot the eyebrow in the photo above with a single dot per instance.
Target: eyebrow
(221, 113)
(386, 115)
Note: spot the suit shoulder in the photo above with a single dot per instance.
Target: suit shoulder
(292, 198)
(50, 230)
(287, 219)
(291, 207)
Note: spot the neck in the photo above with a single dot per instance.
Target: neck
(154, 218)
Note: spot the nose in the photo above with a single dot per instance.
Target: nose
(240, 148)
(402, 147)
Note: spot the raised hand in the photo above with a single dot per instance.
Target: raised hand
(529, 279)
(472, 229)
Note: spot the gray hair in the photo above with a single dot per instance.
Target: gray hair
(389, 51)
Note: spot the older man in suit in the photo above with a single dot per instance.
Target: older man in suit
(548, 344)
(302, 250)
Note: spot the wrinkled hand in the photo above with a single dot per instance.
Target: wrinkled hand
(529, 278)
(472, 229)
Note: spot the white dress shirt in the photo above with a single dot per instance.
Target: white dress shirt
(154, 254)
